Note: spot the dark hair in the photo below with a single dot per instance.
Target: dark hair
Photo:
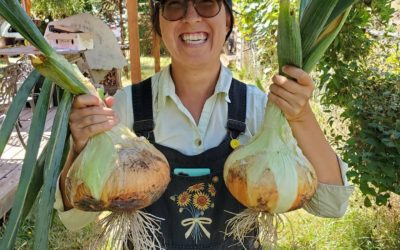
(155, 14)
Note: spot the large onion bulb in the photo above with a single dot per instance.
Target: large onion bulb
(122, 173)
(117, 171)
(270, 174)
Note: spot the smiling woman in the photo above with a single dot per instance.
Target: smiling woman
(196, 114)
(197, 38)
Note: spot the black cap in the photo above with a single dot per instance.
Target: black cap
(229, 3)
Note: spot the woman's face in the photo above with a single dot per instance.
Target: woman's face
(195, 40)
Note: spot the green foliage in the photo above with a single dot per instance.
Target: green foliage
(60, 8)
(360, 75)
(373, 148)
(145, 28)
(107, 10)
(258, 21)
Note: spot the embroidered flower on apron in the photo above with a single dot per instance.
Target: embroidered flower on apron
(194, 202)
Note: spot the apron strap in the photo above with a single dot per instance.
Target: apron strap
(237, 110)
(142, 106)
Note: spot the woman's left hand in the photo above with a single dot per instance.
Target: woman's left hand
(292, 96)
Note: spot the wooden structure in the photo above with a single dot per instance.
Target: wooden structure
(134, 45)
(13, 156)
(27, 6)
(156, 51)
(99, 61)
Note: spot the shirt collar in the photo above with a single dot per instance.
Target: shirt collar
(224, 82)
(166, 87)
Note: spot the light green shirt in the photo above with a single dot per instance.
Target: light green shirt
(176, 128)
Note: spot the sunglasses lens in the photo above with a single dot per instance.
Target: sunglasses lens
(208, 8)
(174, 10)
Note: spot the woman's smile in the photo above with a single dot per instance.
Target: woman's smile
(196, 38)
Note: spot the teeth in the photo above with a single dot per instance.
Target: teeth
(195, 38)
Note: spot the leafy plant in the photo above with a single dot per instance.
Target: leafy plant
(258, 23)
(366, 85)
(360, 75)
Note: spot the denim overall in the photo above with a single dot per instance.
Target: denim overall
(195, 209)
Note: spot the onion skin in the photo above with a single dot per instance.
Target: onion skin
(260, 192)
(270, 174)
(236, 181)
(306, 187)
(138, 178)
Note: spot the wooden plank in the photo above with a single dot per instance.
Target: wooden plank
(12, 159)
(10, 171)
(27, 6)
(14, 148)
(8, 187)
(134, 48)
(25, 111)
(26, 114)
(29, 50)
(7, 166)
(18, 153)
(156, 51)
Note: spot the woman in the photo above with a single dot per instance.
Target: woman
(194, 102)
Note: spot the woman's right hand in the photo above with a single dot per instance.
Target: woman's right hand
(88, 118)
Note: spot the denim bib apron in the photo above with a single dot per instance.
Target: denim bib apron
(195, 209)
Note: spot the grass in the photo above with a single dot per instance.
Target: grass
(360, 228)
(59, 237)
(147, 68)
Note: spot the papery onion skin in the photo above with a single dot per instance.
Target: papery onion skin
(260, 192)
(271, 174)
(139, 177)
(306, 186)
(238, 184)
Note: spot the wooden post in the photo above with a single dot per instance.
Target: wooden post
(134, 46)
(156, 51)
(27, 6)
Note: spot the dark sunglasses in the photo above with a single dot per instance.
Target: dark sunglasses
(174, 10)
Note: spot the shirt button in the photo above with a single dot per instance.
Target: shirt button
(215, 179)
(198, 142)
